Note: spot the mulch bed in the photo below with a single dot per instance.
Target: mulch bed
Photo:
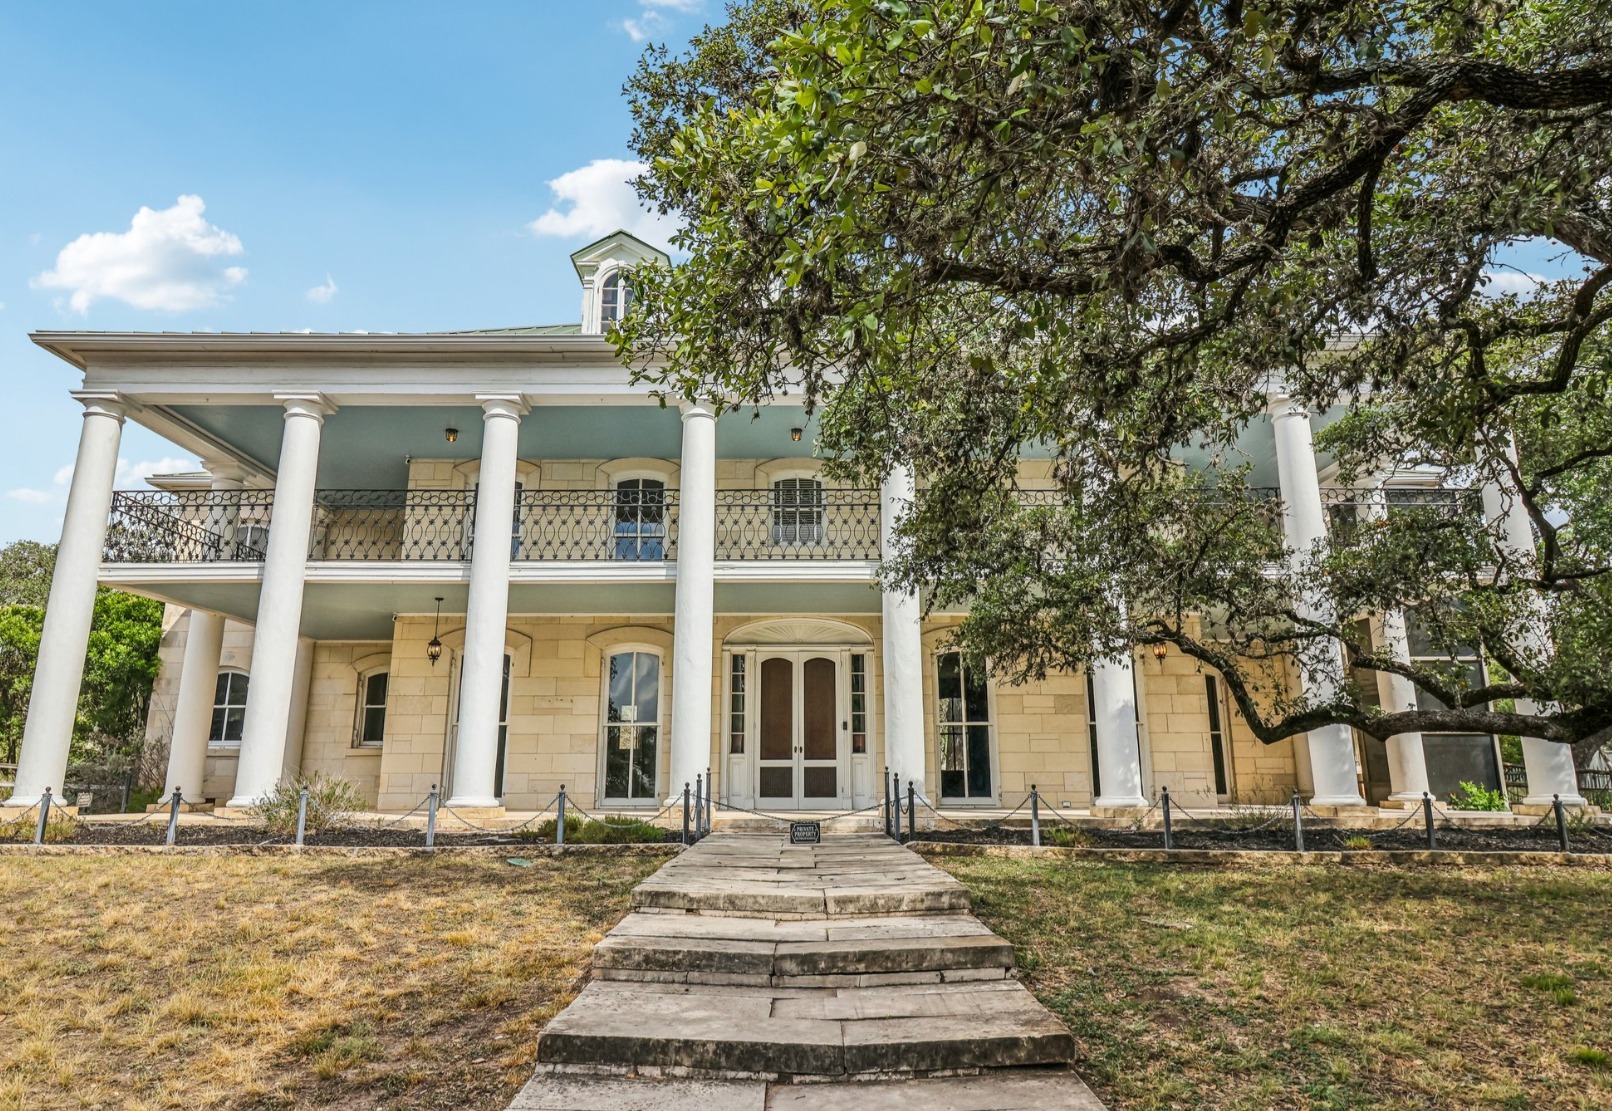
(1317, 836)
(155, 832)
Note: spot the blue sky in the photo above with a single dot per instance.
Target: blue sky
(359, 164)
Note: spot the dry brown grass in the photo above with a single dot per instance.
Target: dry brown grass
(235, 981)
(1317, 987)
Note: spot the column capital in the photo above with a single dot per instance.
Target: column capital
(99, 403)
(314, 405)
(227, 474)
(510, 406)
(691, 407)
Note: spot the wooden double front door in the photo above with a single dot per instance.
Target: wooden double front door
(802, 731)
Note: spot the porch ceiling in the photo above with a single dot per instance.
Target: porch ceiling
(364, 447)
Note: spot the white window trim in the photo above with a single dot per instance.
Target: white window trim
(226, 746)
(360, 706)
(991, 727)
(663, 689)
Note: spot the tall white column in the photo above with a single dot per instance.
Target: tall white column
(1549, 763)
(1332, 750)
(59, 672)
(1119, 752)
(903, 647)
(692, 631)
(193, 710)
(475, 758)
(1407, 764)
(279, 606)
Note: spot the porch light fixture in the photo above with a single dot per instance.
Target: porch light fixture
(1160, 650)
(452, 434)
(433, 647)
(795, 434)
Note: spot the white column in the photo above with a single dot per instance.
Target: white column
(1119, 753)
(193, 711)
(1407, 765)
(692, 631)
(53, 707)
(475, 757)
(279, 606)
(1549, 763)
(1332, 750)
(903, 647)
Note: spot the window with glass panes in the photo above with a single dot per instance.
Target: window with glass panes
(229, 708)
(615, 298)
(1217, 733)
(736, 703)
(372, 710)
(859, 703)
(640, 528)
(964, 728)
(632, 725)
(797, 511)
(1452, 758)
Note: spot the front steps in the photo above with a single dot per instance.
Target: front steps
(753, 975)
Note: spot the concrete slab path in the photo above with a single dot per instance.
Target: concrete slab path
(753, 975)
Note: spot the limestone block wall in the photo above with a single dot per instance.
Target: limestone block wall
(330, 740)
(237, 655)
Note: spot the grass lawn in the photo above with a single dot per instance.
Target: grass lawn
(1317, 987)
(235, 981)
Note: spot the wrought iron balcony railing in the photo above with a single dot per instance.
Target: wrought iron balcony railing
(631, 525)
(1349, 510)
(808, 521)
(210, 526)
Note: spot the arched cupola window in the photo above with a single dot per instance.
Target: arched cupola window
(615, 298)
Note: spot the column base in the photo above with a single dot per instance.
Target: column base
(1402, 802)
(1538, 806)
(476, 809)
(232, 811)
(1119, 807)
(1356, 809)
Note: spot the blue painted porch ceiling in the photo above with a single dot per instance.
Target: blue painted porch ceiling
(365, 447)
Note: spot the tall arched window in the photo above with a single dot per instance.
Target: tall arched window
(229, 709)
(615, 298)
(631, 726)
(964, 728)
(640, 526)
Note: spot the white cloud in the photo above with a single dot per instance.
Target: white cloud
(127, 474)
(1497, 283)
(321, 294)
(170, 260)
(597, 199)
(651, 18)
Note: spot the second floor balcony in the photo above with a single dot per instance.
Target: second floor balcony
(790, 521)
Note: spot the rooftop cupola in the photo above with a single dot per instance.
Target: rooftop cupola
(603, 266)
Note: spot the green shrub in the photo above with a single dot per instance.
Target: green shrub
(1067, 838)
(1470, 796)
(1590, 1058)
(22, 832)
(331, 802)
(610, 831)
(1357, 842)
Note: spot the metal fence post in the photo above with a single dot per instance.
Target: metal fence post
(173, 816)
(1035, 816)
(1298, 824)
(912, 810)
(685, 813)
(887, 800)
(707, 798)
(1169, 830)
(431, 818)
(1561, 821)
(44, 817)
(699, 790)
(559, 817)
(1427, 815)
(302, 816)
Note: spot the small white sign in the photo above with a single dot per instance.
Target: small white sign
(629, 713)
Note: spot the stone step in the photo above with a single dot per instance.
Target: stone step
(1000, 1090)
(761, 952)
(711, 1031)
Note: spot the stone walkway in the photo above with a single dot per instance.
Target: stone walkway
(752, 975)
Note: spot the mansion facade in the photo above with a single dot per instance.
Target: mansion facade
(489, 562)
